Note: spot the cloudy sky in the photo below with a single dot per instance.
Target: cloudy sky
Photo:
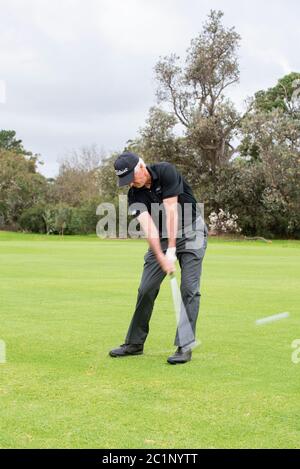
(80, 72)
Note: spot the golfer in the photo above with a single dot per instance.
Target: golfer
(168, 213)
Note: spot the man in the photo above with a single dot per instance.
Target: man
(159, 197)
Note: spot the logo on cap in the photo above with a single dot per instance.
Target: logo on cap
(119, 172)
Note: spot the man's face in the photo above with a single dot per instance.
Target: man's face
(140, 177)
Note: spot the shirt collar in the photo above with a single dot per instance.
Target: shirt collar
(153, 173)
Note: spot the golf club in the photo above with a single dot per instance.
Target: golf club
(185, 333)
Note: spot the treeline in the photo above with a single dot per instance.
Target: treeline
(29, 201)
(244, 167)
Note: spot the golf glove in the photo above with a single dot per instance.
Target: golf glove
(171, 254)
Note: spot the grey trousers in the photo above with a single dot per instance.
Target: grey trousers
(190, 256)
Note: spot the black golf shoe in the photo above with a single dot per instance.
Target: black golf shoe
(180, 356)
(127, 349)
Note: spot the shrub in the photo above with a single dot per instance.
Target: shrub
(32, 220)
(223, 222)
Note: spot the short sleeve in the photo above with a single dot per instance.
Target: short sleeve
(171, 182)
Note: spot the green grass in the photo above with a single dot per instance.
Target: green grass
(64, 302)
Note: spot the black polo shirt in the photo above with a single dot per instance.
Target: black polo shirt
(166, 182)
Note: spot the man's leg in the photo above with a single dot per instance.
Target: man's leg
(190, 261)
(148, 290)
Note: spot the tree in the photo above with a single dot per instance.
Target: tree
(77, 181)
(63, 216)
(9, 142)
(20, 185)
(48, 216)
(280, 103)
(239, 190)
(157, 141)
(271, 147)
(283, 96)
(195, 93)
(107, 180)
(32, 219)
(276, 136)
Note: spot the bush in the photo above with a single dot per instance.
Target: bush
(32, 220)
(242, 188)
(223, 222)
(60, 219)
(82, 221)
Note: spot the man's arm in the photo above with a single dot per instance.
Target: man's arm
(152, 236)
(170, 205)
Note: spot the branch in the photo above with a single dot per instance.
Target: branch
(233, 149)
(180, 117)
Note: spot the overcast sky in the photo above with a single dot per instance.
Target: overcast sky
(80, 72)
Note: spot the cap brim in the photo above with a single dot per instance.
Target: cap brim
(127, 179)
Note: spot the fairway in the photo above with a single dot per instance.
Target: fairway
(66, 301)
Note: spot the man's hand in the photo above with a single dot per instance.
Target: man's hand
(167, 262)
(171, 254)
(167, 265)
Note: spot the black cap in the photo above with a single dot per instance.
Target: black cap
(124, 167)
